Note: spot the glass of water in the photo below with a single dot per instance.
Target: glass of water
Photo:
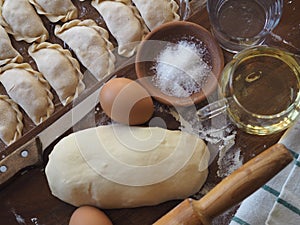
(238, 24)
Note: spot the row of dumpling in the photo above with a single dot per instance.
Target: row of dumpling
(127, 20)
(19, 18)
(88, 41)
(26, 87)
(93, 49)
(30, 89)
(130, 20)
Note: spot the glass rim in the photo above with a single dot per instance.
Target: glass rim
(278, 4)
(240, 56)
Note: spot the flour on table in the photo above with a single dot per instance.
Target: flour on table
(219, 135)
(229, 160)
(34, 220)
(204, 190)
(18, 217)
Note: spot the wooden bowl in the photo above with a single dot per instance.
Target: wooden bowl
(173, 32)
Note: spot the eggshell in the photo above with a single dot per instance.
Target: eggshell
(88, 215)
(126, 101)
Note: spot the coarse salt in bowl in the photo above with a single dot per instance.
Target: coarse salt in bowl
(179, 63)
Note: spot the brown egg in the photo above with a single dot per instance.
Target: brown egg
(88, 215)
(126, 101)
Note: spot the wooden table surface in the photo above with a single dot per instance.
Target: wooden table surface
(27, 198)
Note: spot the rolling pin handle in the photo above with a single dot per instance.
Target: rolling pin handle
(243, 182)
(231, 190)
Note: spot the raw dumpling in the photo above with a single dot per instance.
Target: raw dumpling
(63, 73)
(28, 89)
(7, 51)
(90, 44)
(157, 12)
(19, 18)
(119, 166)
(124, 23)
(11, 124)
(62, 10)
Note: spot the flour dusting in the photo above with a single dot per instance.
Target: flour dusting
(34, 220)
(218, 133)
(229, 160)
(205, 189)
(18, 217)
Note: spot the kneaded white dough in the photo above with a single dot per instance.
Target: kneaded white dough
(118, 166)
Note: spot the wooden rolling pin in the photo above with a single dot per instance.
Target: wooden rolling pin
(230, 191)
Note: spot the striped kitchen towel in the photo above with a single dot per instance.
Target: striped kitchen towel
(276, 203)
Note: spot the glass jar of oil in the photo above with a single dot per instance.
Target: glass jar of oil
(262, 88)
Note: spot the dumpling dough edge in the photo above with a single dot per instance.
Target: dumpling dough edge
(19, 119)
(65, 53)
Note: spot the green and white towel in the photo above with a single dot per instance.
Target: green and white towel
(277, 202)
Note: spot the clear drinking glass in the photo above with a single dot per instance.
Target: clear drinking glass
(238, 24)
(259, 91)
